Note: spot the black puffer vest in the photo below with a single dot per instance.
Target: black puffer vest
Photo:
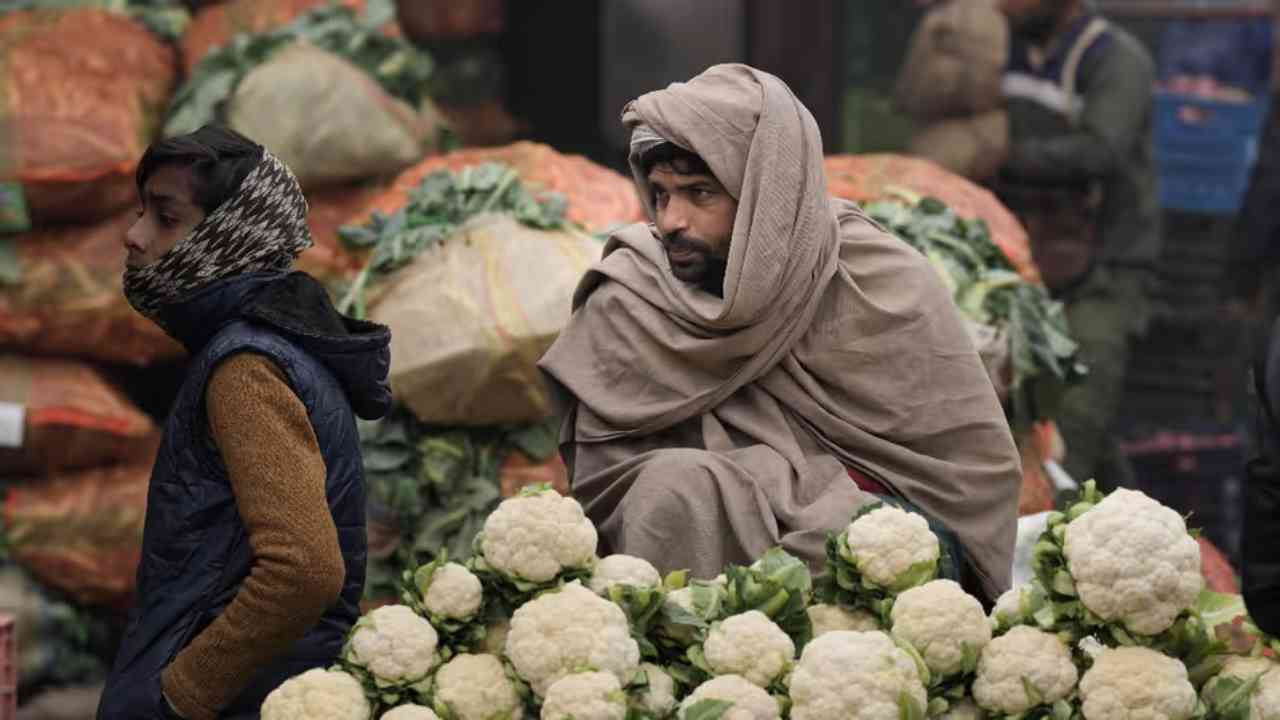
(195, 551)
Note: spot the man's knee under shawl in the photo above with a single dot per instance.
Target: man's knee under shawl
(848, 328)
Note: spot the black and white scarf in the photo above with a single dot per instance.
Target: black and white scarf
(262, 227)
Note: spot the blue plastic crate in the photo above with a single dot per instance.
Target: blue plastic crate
(1204, 166)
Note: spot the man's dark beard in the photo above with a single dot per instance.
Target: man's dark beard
(714, 267)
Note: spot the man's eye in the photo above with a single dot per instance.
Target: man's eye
(701, 195)
(167, 221)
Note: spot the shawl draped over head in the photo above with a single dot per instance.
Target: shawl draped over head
(726, 425)
(261, 227)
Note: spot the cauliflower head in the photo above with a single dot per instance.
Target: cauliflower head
(623, 570)
(1264, 701)
(1133, 562)
(476, 687)
(831, 618)
(453, 592)
(585, 696)
(1008, 608)
(750, 645)
(945, 624)
(562, 632)
(659, 697)
(394, 644)
(892, 547)
(855, 675)
(318, 694)
(1136, 683)
(750, 701)
(410, 712)
(536, 537)
(1021, 669)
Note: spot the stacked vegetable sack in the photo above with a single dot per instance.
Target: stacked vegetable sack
(1116, 626)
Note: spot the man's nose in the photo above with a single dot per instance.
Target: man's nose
(673, 217)
(134, 238)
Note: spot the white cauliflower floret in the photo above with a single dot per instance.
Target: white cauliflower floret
(395, 644)
(1136, 683)
(1022, 669)
(889, 544)
(750, 701)
(1008, 607)
(536, 537)
(476, 687)
(410, 712)
(750, 645)
(454, 592)
(562, 632)
(965, 709)
(1264, 703)
(659, 697)
(1133, 562)
(495, 637)
(943, 623)
(317, 694)
(623, 570)
(854, 676)
(585, 696)
(832, 618)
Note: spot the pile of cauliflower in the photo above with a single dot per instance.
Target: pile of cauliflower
(535, 624)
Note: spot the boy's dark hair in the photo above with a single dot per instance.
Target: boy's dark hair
(219, 158)
(682, 162)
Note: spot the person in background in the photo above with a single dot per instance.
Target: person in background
(728, 366)
(1260, 541)
(253, 553)
(1078, 95)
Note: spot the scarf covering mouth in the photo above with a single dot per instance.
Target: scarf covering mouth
(262, 227)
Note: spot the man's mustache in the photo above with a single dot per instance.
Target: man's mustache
(680, 241)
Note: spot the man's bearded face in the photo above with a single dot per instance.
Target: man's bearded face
(695, 220)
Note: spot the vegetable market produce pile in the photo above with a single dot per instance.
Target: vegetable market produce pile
(1115, 626)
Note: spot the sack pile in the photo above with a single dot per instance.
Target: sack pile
(950, 85)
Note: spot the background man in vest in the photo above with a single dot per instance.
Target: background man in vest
(253, 556)
(1078, 93)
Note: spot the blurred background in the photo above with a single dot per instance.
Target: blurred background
(366, 98)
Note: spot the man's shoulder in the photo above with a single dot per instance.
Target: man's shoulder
(1121, 47)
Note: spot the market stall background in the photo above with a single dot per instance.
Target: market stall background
(524, 126)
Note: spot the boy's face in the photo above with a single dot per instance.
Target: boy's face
(168, 214)
(695, 218)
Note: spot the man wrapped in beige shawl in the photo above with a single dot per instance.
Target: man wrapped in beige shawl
(713, 415)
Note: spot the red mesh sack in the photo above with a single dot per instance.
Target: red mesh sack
(72, 417)
(81, 93)
(68, 299)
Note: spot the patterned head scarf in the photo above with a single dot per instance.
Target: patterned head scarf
(262, 227)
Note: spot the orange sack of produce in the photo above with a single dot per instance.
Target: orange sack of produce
(81, 96)
(214, 25)
(598, 197)
(81, 532)
(868, 178)
(71, 418)
(68, 298)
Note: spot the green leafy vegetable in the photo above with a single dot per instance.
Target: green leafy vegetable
(778, 585)
(437, 207)
(436, 485)
(166, 18)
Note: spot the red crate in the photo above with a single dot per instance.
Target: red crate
(8, 667)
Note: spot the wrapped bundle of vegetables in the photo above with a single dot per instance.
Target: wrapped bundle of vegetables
(534, 624)
(475, 277)
(330, 93)
(1020, 331)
